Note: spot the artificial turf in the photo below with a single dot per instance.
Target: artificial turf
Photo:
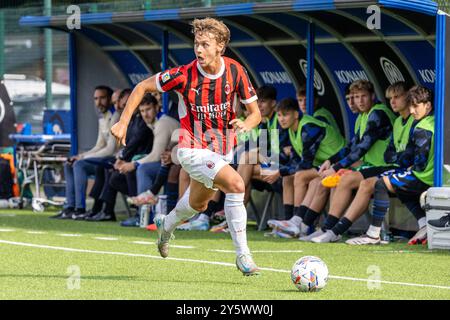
(37, 261)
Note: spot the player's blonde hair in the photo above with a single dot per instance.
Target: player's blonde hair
(399, 88)
(213, 26)
(360, 85)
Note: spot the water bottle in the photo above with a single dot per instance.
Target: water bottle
(144, 215)
(385, 234)
(161, 205)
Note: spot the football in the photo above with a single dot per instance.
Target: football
(309, 274)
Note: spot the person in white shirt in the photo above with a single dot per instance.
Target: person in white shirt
(77, 169)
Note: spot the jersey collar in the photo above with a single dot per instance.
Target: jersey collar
(212, 76)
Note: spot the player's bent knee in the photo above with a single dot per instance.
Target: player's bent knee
(315, 182)
(200, 207)
(366, 186)
(320, 189)
(299, 178)
(236, 185)
(351, 180)
(347, 179)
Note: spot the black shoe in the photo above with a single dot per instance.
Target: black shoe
(83, 216)
(63, 213)
(76, 212)
(441, 224)
(102, 216)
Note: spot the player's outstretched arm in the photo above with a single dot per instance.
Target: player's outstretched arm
(254, 117)
(252, 120)
(119, 130)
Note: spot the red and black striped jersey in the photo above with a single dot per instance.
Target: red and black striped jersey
(207, 103)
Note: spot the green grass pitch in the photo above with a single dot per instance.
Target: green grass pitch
(41, 258)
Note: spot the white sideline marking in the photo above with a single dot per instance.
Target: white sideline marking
(258, 251)
(172, 246)
(23, 244)
(182, 247)
(36, 232)
(7, 215)
(106, 238)
(68, 235)
(142, 242)
(7, 230)
(403, 251)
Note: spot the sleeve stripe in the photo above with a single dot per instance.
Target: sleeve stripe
(245, 81)
(250, 100)
(173, 83)
(158, 85)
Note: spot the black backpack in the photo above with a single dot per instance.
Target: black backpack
(6, 179)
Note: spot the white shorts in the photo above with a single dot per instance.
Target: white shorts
(203, 165)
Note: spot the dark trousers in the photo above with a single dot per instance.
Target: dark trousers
(99, 183)
(117, 182)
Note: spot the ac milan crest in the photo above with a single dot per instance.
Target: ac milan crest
(210, 164)
(227, 88)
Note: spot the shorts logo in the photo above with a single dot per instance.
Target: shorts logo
(210, 164)
(227, 88)
(165, 77)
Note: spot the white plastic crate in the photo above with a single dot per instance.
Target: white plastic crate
(437, 204)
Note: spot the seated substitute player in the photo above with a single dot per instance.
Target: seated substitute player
(251, 154)
(207, 88)
(408, 183)
(350, 99)
(312, 141)
(320, 113)
(366, 150)
(302, 183)
(396, 153)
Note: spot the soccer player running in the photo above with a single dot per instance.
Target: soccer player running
(208, 89)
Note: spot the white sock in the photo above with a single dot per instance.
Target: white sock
(422, 222)
(296, 220)
(374, 232)
(180, 213)
(236, 216)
